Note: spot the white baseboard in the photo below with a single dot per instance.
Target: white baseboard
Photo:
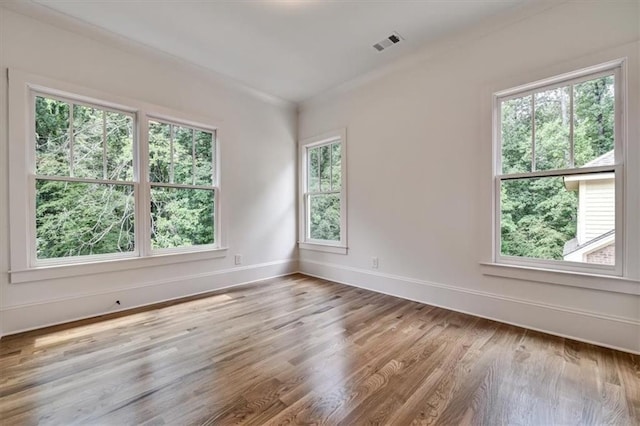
(25, 317)
(604, 330)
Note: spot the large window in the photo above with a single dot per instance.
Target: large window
(100, 180)
(323, 198)
(84, 179)
(558, 172)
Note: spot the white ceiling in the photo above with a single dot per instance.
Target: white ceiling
(292, 49)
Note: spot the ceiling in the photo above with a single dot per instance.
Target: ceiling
(291, 49)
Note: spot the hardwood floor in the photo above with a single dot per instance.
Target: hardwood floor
(299, 350)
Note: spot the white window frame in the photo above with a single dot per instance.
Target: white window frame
(24, 265)
(305, 242)
(616, 68)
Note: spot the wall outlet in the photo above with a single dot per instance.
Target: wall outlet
(238, 259)
(374, 262)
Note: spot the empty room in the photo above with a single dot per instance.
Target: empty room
(356, 212)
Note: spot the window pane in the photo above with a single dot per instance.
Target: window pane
(182, 155)
(516, 135)
(552, 117)
(181, 217)
(324, 217)
(336, 164)
(594, 121)
(159, 152)
(204, 157)
(555, 218)
(87, 142)
(325, 168)
(52, 137)
(313, 170)
(119, 146)
(77, 219)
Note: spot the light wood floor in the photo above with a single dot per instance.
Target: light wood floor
(300, 350)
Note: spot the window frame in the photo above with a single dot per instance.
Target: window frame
(617, 69)
(24, 265)
(305, 242)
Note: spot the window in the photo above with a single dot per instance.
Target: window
(558, 174)
(323, 198)
(99, 180)
(84, 198)
(183, 194)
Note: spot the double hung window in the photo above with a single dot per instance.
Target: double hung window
(323, 197)
(558, 172)
(95, 180)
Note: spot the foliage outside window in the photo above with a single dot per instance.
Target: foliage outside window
(557, 172)
(86, 188)
(323, 194)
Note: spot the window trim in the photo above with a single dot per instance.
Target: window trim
(304, 242)
(24, 265)
(617, 68)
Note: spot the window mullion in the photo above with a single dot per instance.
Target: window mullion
(142, 188)
(71, 137)
(559, 172)
(171, 166)
(214, 157)
(533, 132)
(572, 159)
(104, 145)
(193, 157)
(308, 171)
(330, 167)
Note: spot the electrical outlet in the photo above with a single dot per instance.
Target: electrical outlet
(374, 262)
(238, 259)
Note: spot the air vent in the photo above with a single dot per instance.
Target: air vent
(394, 38)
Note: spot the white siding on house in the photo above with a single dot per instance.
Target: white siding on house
(599, 208)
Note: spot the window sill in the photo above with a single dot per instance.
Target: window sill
(568, 278)
(323, 247)
(49, 272)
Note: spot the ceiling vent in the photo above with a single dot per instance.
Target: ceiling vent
(394, 38)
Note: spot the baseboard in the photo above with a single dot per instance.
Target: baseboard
(610, 331)
(25, 317)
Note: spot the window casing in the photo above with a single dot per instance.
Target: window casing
(559, 172)
(323, 205)
(101, 152)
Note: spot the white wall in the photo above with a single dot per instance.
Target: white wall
(258, 152)
(419, 169)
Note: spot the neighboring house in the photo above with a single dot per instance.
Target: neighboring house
(595, 237)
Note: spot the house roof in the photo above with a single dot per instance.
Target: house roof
(607, 159)
(572, 245)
